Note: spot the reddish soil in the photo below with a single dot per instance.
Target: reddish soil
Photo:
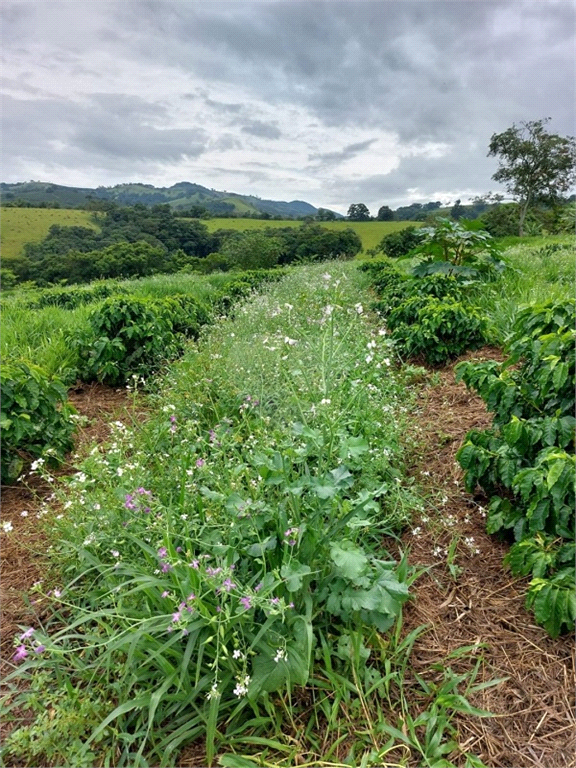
(534, 723)
(23, 559)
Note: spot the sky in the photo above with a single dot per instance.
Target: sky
(385, 102)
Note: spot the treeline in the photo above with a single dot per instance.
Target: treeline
(140, 241)
(498, 218)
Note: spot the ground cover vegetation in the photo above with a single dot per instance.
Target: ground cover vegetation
(221, 569)
(126, 337)
(224, 563)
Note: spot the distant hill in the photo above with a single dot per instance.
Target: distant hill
(179, 196)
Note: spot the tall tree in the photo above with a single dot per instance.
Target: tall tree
(534, 165)
(385, 213)
(358, 212)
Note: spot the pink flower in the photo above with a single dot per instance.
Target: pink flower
(165, 593)
(25, 635)
(21, 653)
(166, 567)
(228, 585)
(162, 552)
(246, 602)
(200, 462)
(40, 649)
(176, 616)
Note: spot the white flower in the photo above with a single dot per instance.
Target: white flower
(369, 358)
(24, 513)
(237, 654)
(382, 332)
(35, 464)
(213, 692)
(325, 401)
(280, 655)
(7, 526)
(371, 344)
(326, 276)
(359, 308)
(386, 361)
(119, 471)
(327, 311)
(288, 306)
(416, 531)
(289, 341)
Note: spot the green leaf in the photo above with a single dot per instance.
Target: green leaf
(350, 560)
(294, 572)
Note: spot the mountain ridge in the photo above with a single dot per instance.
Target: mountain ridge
(180, 196)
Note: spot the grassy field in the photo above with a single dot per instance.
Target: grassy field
(370, 232)
(29, 225)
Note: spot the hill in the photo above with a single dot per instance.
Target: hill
(179, 196)
(30, 225)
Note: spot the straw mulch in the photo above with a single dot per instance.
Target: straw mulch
(534, 724)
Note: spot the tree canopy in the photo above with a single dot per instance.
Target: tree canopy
(358, 212)
(534, 165)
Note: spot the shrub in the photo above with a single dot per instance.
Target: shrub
(436, 330)
(525, 462)
(35, 418)
(400, 243)
(127, 337)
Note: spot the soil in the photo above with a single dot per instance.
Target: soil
(23, 556)
(534, 723)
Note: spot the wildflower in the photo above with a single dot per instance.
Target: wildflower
(57, 593)
(416, 531)
(228, 585)
(275, 600)
(24, 513)
(289, 341)
(386, 361)
(166, 568)
(325, 401)
(237, 654)
(119, 471)
(242, 686)
(40, 649)
(114, 553)
(200, 463)
(191, 597)
(369, 358)
(25, 635)
(326, 276)
(280, 655)
(7, 526)
(165, 593)
(258, 587)
(359, 308)
(194, 564)
(327, 311)
(21, 653)
(176, 616)
(162, 552)
(36, 464)
(173, 419)
(213, 692)
(246, 602)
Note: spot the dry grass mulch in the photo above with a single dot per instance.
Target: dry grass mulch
(534, 724)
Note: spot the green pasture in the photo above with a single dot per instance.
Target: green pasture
(370, 232)
(30, 225)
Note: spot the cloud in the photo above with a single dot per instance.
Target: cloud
(261, 129)
(343, 100)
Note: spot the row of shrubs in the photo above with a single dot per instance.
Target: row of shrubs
(431, 317)
(525, 462)
(126, 337)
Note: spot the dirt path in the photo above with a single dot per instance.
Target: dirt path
(482, 603)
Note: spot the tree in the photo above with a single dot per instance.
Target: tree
(252, 250)
(385, 213)
(324, 214)
(534, 165)
(457, 210)
(358, 212)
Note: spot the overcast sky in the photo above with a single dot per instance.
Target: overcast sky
(380, 102)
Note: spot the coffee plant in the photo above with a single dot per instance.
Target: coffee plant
(525, 463)
(35, 418)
